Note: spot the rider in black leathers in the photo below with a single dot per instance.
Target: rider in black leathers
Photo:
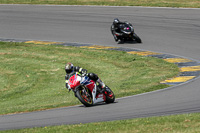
(115, 29)
(70, 69)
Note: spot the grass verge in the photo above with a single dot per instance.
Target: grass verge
(154, 3)
(186, 123)
(32, 76)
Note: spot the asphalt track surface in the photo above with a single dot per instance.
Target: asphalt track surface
(166, 30)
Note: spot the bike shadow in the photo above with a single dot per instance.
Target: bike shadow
(98, 104)
(128, 42)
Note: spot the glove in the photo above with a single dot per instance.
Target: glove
(67, 85)
(69, 88)
(83, 71)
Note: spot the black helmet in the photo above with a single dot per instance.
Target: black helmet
(69, 68)
(116, 21)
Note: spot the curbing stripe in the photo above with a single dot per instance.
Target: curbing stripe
(97, 47)
(194, 73)
(185, 64)
(125, 49)
(163, 56)
(42, 42)
(143, 53)
(177, 60)
(189, 69)
(178, 79)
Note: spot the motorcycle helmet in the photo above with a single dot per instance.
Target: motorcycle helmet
(116, 21)
(69, 68)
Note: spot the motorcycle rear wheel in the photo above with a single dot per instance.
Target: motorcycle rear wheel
(110, 97)
(84, 97)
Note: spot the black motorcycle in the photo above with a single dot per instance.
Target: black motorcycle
(126, 33)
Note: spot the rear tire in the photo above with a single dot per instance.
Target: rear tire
(84, 96)
(110, 97)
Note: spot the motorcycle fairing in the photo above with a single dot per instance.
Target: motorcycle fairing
(74, 81)
(90, 84)
(98, 98)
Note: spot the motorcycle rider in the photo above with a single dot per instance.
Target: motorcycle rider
(115, 28)
(70, 69)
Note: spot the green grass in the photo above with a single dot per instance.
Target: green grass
(32, 76)
(154, 3)
(187, 123)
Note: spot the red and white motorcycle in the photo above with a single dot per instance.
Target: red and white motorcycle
(88, 92)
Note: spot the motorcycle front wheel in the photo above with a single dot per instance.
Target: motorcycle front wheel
(110, 97)
(137, 38)
(84, 96)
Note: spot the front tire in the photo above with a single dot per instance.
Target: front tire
(110, 97)
(137, 38)
(84, 96)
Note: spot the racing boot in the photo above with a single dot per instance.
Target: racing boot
(116, 38)
(102, 86)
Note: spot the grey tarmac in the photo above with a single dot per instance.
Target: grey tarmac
(164, 30)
